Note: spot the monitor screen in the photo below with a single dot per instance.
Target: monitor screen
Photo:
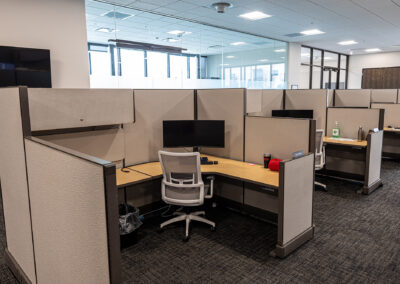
(194, 133)
(25, 67)
(294, 113)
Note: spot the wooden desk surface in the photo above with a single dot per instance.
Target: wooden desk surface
(391, 129)
(226, 167)
(356, 143)
(130, 178)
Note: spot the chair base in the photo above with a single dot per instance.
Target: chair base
(195, 216)
(323, 186)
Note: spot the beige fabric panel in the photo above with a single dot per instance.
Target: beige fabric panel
(228, 105)
(14, 182)
(392, 113)
(253, 101)
(330, 95)
(353, 98)
(278, 136)
(68, 217)
(104, 144)
(375, 158)
(298, 197)
(144, 138)
(271, 100)
(309, 99)
(384, 96)
(70, 108)
(350, 119)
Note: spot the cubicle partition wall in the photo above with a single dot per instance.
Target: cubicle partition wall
(350, 119)
(281, 137)
(384, 96)
(14, 125)
(352, 98)
(267, 101)
(228, 105)
(316, 100)
(144, 138)
(74, 215)
(356, 161)
(293, 200)
(66, 109)
(391, 139)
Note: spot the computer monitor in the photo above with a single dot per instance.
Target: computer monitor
(294, 113)
(194, 133)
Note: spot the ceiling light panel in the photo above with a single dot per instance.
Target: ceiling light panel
(373, 50)
(312, 32)
(238, 43)
(280, 50)
(347, 42)
(254, 16)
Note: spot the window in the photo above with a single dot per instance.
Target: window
(100, 63)
(278, 76)
(327, 69)
(178, 66)
(157, 64)
(193, 60)
(132, 63)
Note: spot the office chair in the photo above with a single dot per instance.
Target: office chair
(182, 185)
(319, 154)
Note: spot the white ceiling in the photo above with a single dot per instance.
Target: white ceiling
(153, 28)
(372, 23)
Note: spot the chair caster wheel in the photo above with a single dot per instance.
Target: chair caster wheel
(186, 239)
(213, 229)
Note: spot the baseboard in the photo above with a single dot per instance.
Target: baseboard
(16, 269)
(368, 189)
(285, 250)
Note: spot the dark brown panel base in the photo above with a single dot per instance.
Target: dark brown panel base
(368, 189)
(15, 268)
(395, 156)
(283, 251)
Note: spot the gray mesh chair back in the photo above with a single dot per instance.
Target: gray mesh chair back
(319, 152)
(182, 183)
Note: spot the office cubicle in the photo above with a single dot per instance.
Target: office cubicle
(262, 102)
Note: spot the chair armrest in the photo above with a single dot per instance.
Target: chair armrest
(211, 191)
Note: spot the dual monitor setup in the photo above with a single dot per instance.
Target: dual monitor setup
(194, 133)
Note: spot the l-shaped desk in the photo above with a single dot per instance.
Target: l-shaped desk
(357, 160)
(294, 200)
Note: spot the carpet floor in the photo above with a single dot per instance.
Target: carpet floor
(357, 240)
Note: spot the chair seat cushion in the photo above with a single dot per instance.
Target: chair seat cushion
(189, 193)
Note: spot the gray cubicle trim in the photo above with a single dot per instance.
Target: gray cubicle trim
(367, 189)
(381, 118)
(73, 130)
(111, 206)
(26, 131)
(311, 139)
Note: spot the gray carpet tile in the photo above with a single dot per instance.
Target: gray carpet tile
(357, 240)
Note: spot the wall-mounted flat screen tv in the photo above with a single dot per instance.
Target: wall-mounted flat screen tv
(25, 67)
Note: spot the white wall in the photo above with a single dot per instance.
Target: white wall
(294, 65)
(58, 25)
(358, 62)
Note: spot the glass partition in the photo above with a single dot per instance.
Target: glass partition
(130, 48)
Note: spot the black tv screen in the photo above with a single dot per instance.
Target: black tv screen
(294, 113)
(25, 67)
(194, 133)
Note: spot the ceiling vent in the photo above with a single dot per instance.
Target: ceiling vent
(294, 35)
(117, 15)
(221, 6)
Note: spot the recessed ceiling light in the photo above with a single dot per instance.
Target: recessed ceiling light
(312, 32)
(224, 64)
(230, 56)
(280, 50)
(179, 33)
(283, 57)
(373, 50)
(172, 39)
(238, 43)
(263, 60)
(347, 42)
(254, 16)
(106, 30)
